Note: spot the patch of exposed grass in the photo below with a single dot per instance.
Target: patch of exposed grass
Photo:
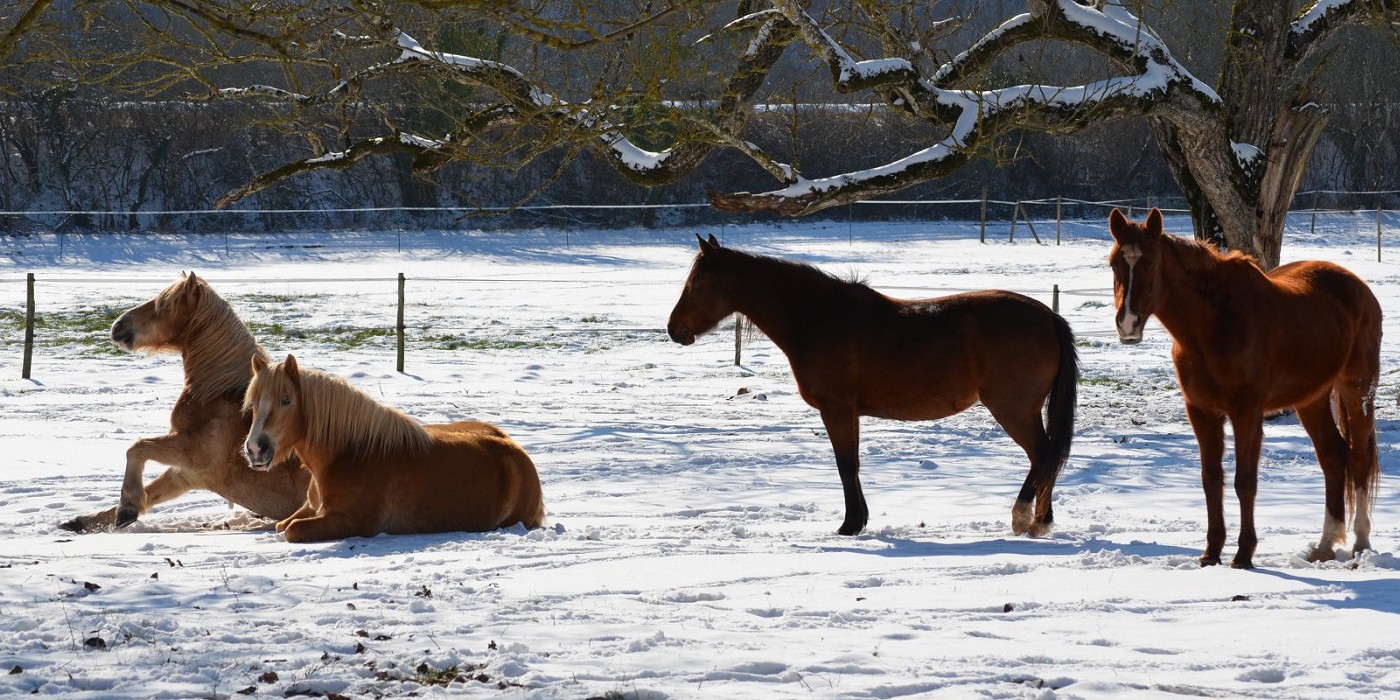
(88, 328)
(457, 342)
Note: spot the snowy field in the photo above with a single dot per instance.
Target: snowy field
(691, 547)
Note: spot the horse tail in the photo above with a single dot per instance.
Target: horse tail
(1059, 413)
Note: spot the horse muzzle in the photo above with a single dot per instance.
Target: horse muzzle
(123, 334)
(680, 334)
(259, 453)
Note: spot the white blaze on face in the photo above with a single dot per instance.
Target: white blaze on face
(1128, 327)
(260, 413)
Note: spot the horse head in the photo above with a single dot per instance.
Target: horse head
(274, 398)
(160, 322)
(704, 299)
(1137, 279)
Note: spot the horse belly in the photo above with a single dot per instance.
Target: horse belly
(465, 484)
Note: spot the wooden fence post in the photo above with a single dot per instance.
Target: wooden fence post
(982, 235)
(400, 324)
(1378, 233)
(28, 326)
(1059, 201)
(738, 339)
(1055, 298)
(1014, 211)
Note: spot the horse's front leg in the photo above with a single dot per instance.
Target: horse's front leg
(325, 527)
(843, 428)
(1210, 437)
(166, 449)
(308, 508)
(1249, 437)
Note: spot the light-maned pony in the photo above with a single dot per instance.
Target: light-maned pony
(374, 469)
(1306, 335)
(856, 352)
(203, 449)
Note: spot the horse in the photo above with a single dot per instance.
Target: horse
(374, 469)
(856, 352)
(1306, 335)
(207, 424)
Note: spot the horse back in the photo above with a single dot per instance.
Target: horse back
(473, 478)
(922, 359)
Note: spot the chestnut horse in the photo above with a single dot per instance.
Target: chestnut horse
(207, 425)
(374, 469)
(856, 352)
(1306, 335)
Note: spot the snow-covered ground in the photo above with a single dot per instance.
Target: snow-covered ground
(692, 503)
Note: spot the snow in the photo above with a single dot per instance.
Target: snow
(1313, 14)
(1246, 153)
(690, 550)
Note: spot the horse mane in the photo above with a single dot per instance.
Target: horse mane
(1202, 256)
(798, 270)
(217, 346)
(342, 416)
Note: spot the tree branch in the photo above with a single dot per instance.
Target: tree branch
(1161, 86)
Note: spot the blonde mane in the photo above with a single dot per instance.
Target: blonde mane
(339, 415)
(216, 344)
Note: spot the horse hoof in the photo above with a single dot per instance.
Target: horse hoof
(1209, 559)
(1040, 529)
(1322, 554)
(848, 529)
(1022, 520)
(1245, 563)
(78, 524)
(126, 515)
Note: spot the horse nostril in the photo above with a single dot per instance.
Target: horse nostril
(264, 444)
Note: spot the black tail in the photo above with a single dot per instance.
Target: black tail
(1059, 416)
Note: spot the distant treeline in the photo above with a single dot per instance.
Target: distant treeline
(132, 159)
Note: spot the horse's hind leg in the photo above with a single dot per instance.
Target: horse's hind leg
(1023, 424)
(843, 428)
(1331, 450)
(1356, 411)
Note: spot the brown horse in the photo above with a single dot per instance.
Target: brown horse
(1306, 335)
(207, 424)
(374, 469)
(855, 352)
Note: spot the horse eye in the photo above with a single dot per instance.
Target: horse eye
(286, 401)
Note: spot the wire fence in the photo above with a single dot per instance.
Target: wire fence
(449, 337)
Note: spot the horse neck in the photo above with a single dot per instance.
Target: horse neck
(781, 299)
(341, 420)
(1191, 275)
(217, 352)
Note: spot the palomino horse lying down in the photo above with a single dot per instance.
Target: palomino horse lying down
(207, 424)
(374, 469)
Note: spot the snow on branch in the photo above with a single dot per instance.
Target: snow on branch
(1324, 18)
(1160, 85)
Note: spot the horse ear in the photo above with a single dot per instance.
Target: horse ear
(289, 366)
(1154, 221)
(1117, 223)
(259, 363)
(705, 246)
(713, 243)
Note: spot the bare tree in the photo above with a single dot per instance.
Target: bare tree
(654, 87)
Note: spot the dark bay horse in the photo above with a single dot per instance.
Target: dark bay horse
(1306, 335)
(374, 469)
(856, 352)
(203, 449)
